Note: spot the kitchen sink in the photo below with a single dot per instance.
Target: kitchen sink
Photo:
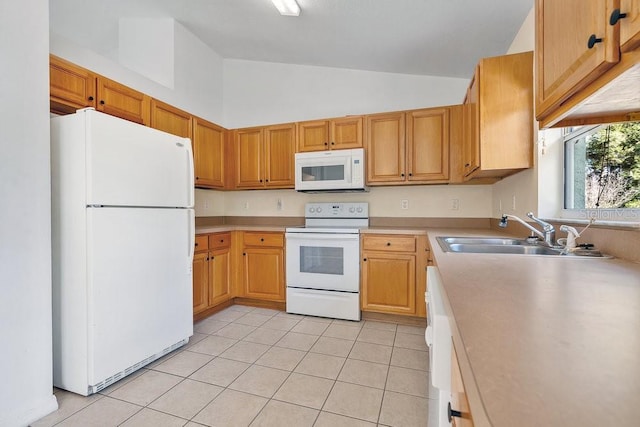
(483, 248)
(499, 245)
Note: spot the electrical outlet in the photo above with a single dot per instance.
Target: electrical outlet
(206, 204)
(513, 203)
(245, 205)
(279, 204)
(404, 204)
(455, 204)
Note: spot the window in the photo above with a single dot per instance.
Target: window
(602, 170)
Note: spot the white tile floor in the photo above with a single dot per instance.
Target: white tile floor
(254, 366)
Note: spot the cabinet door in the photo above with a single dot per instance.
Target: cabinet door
(313, 136)
(170, 119)
(70, 87)
(428, 145)
(121, 101)
(249, 158)
(219, 276)
(385, 148)
(459, 400)
(565, 62)
(388, 282)
(471, 122)
(208, 154)
(263, 273)
(346, 133)
(279, 150)
(200, 281)
(630, 25)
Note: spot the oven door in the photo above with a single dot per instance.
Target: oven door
(323, 261)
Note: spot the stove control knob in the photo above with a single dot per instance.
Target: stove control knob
(312, 210)
(359, 210)
(352, 209)
(319, 210)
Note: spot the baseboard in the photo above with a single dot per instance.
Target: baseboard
(26, 416)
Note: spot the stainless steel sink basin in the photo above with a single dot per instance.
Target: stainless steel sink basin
(502, 249)
(500, 245)
(482, 241)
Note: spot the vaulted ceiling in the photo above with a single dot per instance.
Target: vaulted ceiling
(425, 37)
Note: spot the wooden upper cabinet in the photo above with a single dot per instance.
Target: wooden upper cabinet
(71, 87)
(385, 148)
(629, 25)
(346, 133)
(265, 157)
(249, 163)
(279, 151)
(334, 134)
(428, 145)
(587, 52)
(208, 154)
(313, 136)
(121, 101)
(408, 147)
(568, 60)
(170, 119)
(471, 137)
(498, 118)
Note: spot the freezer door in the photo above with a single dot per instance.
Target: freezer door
(132, 165)
(139, 285)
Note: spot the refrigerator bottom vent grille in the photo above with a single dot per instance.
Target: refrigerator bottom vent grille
(118, 376)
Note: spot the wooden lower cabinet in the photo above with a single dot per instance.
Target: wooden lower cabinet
(393, 279)
(263, 266)
(211, 271)
(459, 400)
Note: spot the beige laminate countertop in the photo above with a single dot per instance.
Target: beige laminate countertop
(548, 341)
(222, 228)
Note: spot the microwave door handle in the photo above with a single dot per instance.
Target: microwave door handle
(348, 167)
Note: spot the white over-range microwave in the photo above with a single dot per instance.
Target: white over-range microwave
(331, 171)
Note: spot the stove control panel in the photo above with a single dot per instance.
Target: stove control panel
(337, 210)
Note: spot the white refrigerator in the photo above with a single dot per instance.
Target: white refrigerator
(122, 243)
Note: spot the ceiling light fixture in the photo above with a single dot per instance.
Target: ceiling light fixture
(287, 7)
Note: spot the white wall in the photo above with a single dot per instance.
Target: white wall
(198, 73)
(523, 185)
(259, 93)
(25, 218)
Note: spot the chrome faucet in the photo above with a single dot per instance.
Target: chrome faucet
(548, 233)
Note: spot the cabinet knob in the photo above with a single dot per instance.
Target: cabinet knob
(212, 258)
(333, 143)
(592, 41)
(401, 174)
(197, 178)
(466, 165)
(244, 254)
(326, 143)
(196, 244)
(262, 239)
(410, 174)
(364, 259)
(267, 180)
(207, 259)
(221, 240)
(102, 102)
(388, 243)
(452, 413)
(616, 16)
(91, 97)
(260, 180)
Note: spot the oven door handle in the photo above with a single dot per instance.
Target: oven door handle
(320, 236)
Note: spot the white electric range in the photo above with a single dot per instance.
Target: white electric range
(323, 261)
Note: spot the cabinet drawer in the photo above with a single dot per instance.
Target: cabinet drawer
(389, 243)
(264, 239)
(202, 243)
(219, 240)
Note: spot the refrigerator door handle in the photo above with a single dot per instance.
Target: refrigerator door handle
(191, 172)
(192, 234)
